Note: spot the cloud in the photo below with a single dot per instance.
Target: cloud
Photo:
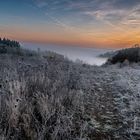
(128, 13)
(125, 4)
(58, 22)
(114, 13)
(40, 3)
(73, 6)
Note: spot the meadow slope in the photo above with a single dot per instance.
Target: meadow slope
(48, 97)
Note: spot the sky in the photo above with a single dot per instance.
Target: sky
(94, 23)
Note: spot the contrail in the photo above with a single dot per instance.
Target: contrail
(58, 22)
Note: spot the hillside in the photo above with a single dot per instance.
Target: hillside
(132, 55)
(44, 96)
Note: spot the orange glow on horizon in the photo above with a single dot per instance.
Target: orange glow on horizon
(108, 40)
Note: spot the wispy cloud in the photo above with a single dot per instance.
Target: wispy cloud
(43, 3)
(111, 18)
(112, 12)
(40, 3)
(58, 22)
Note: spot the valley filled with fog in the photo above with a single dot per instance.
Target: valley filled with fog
(74, 53)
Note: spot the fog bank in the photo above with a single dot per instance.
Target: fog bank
(87, 55)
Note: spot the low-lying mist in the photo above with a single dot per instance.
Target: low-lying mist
(87, 55)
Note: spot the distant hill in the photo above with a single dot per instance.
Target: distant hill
(130, 54)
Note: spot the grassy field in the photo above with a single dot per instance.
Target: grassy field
(44, 96)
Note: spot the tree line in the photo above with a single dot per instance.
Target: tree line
(9, 43)
(9, 46)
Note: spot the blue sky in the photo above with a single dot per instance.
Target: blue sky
(113, 23)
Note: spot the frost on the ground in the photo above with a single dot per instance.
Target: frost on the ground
(51, 98)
